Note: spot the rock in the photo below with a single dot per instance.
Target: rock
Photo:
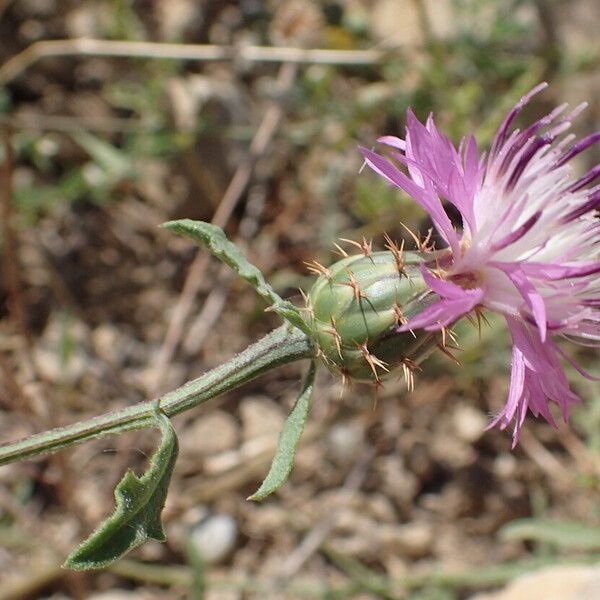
(413, 540)
(397, 482)
(569, 582)
(59, 354)
(175, 17)
(111, 344)
(398, 22)
(84, 21)
(468, 423)
(297, 23)
(505, 466)
(344, 441)
(211, 433)
(214, 537)
(260, 416)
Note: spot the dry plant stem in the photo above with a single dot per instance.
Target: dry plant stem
(119, 48)
(70, 124)
(281, 346)
(235, 189)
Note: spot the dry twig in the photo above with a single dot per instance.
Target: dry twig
(120, 48)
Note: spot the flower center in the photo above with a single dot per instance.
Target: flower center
(469, 280)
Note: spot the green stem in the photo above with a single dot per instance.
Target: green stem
(283, 345)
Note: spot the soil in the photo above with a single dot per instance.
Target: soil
(394, 494)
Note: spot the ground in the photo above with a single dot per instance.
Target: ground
(393, 495)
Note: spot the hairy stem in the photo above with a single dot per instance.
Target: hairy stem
(283, 345)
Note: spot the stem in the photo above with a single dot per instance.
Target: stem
(283, 345)
(122, 48)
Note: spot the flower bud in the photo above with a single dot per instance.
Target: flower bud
(356, 306)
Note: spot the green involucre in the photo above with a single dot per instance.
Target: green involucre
(355, 308)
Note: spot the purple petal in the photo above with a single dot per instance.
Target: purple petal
(541, 358)
(576, 365)
(510, 117)
(516, 235)
(515, 393)
(537, 401)
(425, 198)
(592, 174)
(444, 312)
(438, 315)
(554, 272)
(592, 204)
(434, 155)
(536, 378)
(579, 147)
(443, 287)
(528, 292)
(393, 141)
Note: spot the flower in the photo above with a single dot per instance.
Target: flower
(529, 246)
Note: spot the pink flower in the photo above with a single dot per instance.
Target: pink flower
(529, 246)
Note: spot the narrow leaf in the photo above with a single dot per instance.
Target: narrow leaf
(139, 503)
(562, 534)
(288, 440)
(216, 241)
(116, 163)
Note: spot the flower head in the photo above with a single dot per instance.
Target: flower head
(528, 247)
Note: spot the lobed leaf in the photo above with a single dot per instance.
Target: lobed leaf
(216, 241)
(139, 503)
(288, 440)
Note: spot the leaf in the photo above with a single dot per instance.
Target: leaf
(216, 241)
(139, 503)
(288, 440)
(563, 534)
(115, 163)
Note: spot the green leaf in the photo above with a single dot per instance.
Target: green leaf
(115, 163)
(288, 440)
(216, 241)
(139, 502)
(562, 534)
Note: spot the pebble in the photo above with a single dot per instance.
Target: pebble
(214, 537)
(413, 540)
(398, 22)
(59, 355)
(344, 440)
(260, 416)
(468, 422)
(211, 433)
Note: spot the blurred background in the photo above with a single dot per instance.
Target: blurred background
(402, 497)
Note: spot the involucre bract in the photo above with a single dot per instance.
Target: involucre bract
(356, 306)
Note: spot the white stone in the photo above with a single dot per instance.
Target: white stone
(468, 423)
(214, 537)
